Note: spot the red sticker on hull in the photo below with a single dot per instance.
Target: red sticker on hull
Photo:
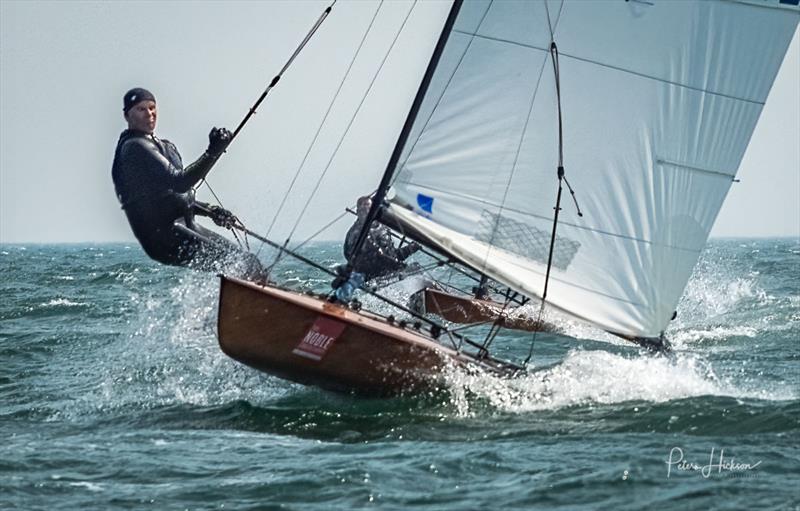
(319, 338)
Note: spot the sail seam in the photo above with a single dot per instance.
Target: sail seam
(577, 286)
(669, 82)
(542, 217)
(492, 271)
(617, 68)
(696, 169)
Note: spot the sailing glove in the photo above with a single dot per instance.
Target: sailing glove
(218, 140)
(222, 217)
(406, 251)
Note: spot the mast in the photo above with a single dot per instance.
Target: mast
(380, 194)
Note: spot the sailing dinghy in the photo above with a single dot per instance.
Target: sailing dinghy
(646, 106)
(466, 309)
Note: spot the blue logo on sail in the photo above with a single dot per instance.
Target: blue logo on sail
(425, 203)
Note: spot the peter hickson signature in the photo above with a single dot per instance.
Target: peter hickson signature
(729, 465)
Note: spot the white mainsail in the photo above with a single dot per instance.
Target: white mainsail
(659, 99)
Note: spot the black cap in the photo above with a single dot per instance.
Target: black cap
(134, 96)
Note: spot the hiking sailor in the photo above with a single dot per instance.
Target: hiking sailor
(379, 257)
(155, 191)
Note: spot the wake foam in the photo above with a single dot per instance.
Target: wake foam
(598, 377)
(61, 302)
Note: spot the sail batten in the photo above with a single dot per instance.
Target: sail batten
(659, 103)
(720, 173)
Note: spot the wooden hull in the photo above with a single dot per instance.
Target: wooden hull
(466, 309)
(311, 341)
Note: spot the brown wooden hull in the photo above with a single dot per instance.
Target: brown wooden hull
(308, 340)
(466, 309)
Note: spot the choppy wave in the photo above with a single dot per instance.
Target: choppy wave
(122, 362)
(171, 360)
(62, 302)
(170, 355)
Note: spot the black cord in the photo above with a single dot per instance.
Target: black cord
(557, 208)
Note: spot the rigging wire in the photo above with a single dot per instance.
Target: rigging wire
(347, 128)
(449, 262)
(320, 231)
(272, 84)
(444, 89)
(322, 124)
(268, 269)
(498, 321)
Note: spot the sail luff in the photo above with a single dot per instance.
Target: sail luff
(409, 122)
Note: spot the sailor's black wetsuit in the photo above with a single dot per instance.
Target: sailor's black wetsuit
(156, 193)
(379, 256)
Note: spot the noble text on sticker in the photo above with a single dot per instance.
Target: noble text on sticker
(319, 338)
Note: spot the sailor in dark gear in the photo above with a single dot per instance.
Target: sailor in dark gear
(155, 191)
(379, 257)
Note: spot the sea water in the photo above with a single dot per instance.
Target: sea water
(114, 395)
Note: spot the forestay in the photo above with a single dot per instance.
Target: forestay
(659, 100)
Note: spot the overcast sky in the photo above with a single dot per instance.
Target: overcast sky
(64, 67)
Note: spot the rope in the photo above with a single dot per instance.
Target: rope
(399, 227)
(560, 175)
(322, 122)
(518, 151)
(241, 242)
(268, 269)
(437, 307)
(497, 323)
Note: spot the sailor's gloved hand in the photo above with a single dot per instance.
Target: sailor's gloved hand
(222, 217)
(218, 140)
(404, 252)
